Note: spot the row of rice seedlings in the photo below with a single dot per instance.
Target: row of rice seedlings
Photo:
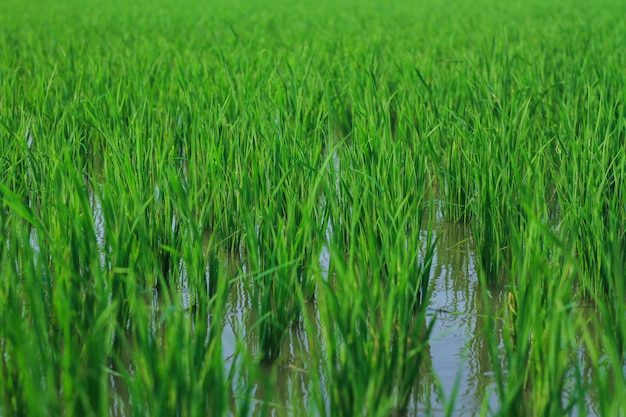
(540, 375)
(274, 257)
(589, 188)
(60, 293)
(604, 352)
(72, 335)
(540, 355)
(372, 300)
(283, 221)
(373, 309)
(172, 362)
(581, 163)
(457, 188)
(173, 359)
(72, 267)
(507, 124)
(587, 172)
(496, 182)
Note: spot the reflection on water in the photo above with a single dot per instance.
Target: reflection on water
(459, 342)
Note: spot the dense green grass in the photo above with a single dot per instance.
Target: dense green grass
(155, 157)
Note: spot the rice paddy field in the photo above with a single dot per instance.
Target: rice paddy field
(326, 208)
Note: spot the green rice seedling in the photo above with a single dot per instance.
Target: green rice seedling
(604, 351)
(590, 207)
(64, 293)
(457, 186)
(502, 162)
(540, 333)
(375, 169)
(176, 367)
(488, 226)
(20, 346)
(274, 288)
(197, 254)
(377, 330)
(282, 237)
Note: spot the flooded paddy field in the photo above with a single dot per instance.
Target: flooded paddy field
(313, 208)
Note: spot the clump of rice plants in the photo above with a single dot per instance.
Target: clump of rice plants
(374, 303)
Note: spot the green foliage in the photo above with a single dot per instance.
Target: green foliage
(156, 156)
